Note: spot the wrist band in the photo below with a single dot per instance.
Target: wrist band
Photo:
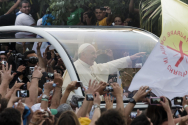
(44, 100)
(33, 122)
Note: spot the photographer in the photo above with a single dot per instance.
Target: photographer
(100, 13)
(24, 62)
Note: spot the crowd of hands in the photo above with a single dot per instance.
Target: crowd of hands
(95, 88)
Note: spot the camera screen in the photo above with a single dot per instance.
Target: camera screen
(31, 69)
(89, 97)
(109, 88)
(155, 100)
(80, 103)
(177, 101)
(51, 75)
(23, 93)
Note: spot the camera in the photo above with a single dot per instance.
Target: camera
(48, 55)
(80, 103)
(109, 88)
(50, 75)
(178, 101)
(22, 93)
(4, 63)
(155, 100)
(103, 8)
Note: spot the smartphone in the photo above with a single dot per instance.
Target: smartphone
(133, 115)
(178, 101)
(22, 93)
(148, 95)
(48, 55)
(24, 87)
(155, 100)
(103, 8)
(89, 97)
(109, 88)
(50, 75)
(80, 103)
(79, 84)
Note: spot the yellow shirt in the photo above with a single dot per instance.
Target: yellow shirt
(102, 22)
(84, 121)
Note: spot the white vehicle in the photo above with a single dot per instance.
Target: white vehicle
(111, 43)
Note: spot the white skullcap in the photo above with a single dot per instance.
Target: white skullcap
(36, 107)
(82, 47)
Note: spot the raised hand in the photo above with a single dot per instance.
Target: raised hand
(92, 88)
(141, 93)
(137, 55)
(37, 73)
(117, 90)
(6, 73)
(71, 86)
(58, 79)
(109, 102)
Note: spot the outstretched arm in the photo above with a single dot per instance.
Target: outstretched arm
(13, 7)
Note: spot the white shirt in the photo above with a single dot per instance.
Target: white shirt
(25, 20)
(99, 72)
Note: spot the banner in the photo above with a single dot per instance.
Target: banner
(166, 69)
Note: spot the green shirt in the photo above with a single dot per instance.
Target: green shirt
(74, 17)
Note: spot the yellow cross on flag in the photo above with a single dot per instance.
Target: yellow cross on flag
(166, 69)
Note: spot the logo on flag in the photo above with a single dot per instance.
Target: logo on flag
(177, 47)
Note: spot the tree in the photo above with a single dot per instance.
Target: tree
(151, 15)
(4, 6)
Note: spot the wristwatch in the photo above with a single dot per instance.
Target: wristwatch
(96, 106)
(132, 101)
(45, 96)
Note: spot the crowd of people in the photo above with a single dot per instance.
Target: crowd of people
(100, 16)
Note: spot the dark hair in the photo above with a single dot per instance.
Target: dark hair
(23, 1)
(68, 118)
(3, 103)
(10, 116)
(45, 7)
(140, 120)
(119, 17)
(91, 14)
(28, 52)
(157, 114)
(58, 68)
(111, 117)
(97, 7)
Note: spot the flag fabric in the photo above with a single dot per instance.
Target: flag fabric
(166, 69)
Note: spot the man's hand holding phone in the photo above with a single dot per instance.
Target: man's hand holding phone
(141, 93)
(71, 86)
(165, 104)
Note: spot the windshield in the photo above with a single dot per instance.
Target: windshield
(104, 55)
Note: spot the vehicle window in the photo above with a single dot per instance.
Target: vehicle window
(104, 55)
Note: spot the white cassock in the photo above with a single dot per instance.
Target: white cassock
(99, 72)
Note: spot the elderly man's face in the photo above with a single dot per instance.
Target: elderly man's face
(90, 55)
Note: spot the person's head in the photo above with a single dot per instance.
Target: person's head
(141, 120)
(128, 22)
(157, 114)
(99, 14)
(68, 118)
(87, 53)
(10, 116)
(90, 18)
(25, 6)
(118, 20)
(29, 54)
(3, 57)
(59, 70)
(111, 117)
(63, 108)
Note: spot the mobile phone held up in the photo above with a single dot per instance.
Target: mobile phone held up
(155, 100)
(103, 8)
(23, 87)
(22, 93)
(109, 88)
(50, 76)
(148, 95)
(89, 97)
(79, 84)
(48, 55)
(178, 101)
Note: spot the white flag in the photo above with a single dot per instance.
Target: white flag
(166, 69)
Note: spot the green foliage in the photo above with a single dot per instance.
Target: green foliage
(59, 8)
(151, 15)
(5, 6)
